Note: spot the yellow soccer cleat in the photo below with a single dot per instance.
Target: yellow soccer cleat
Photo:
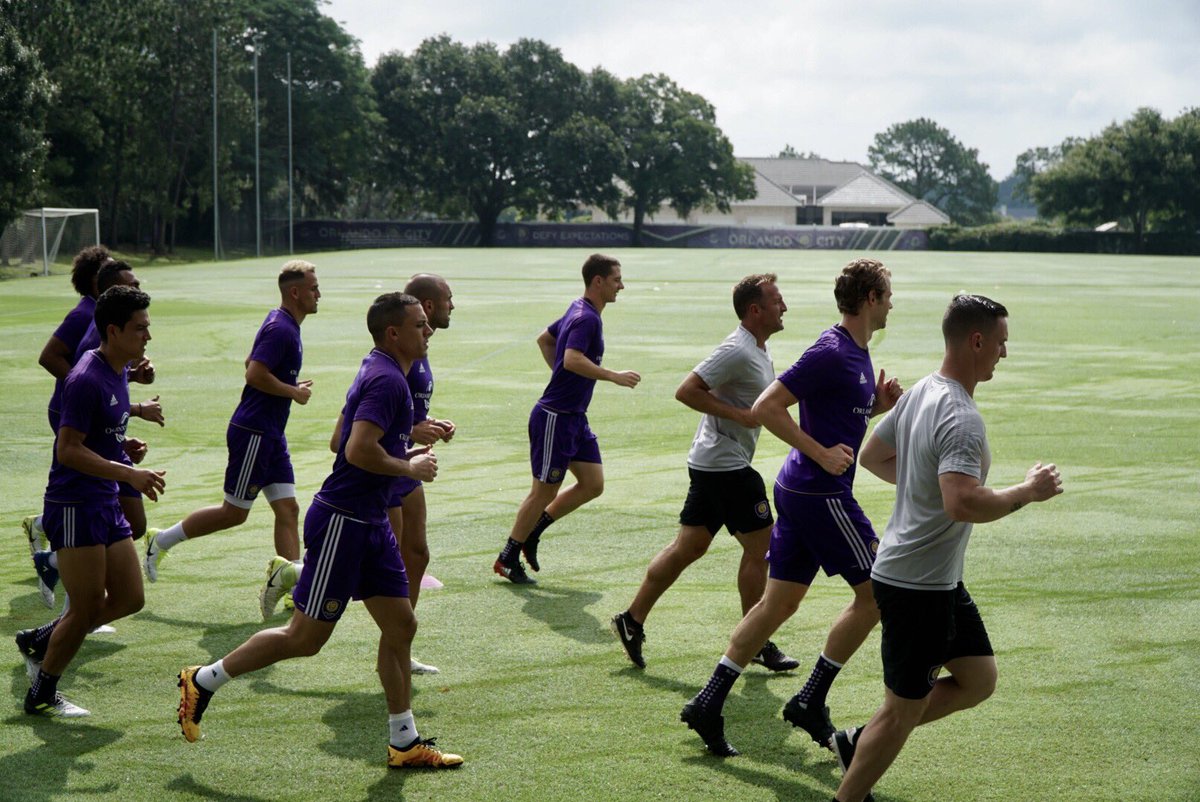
(277, 585)
(192, 702)
(422, 755)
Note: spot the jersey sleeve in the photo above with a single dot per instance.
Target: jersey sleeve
(271, 346)
(73, 327)
(808, 374)
(721, 366)
(582, 333)
(885, 430)
(961, 443)
(79, 401)
(378, 403)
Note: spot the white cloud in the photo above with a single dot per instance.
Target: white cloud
(828, 77)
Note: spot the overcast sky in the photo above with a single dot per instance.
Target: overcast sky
(828, 76)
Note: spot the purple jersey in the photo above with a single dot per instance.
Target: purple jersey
(379, 394)
(71, 331)
(277, 345)
(95, 401)
(90, 340)
(420, 385)
(834, 382)
(580, 329)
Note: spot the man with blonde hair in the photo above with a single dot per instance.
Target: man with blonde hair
(258, 452)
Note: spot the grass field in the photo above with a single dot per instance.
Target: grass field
(1092, 600)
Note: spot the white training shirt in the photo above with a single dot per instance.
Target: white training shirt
(935, 429)
(737, 372)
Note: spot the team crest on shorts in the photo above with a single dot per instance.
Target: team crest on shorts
(875, 546)
(252, 491)
(763, 510)
(933, 675)
(331, 607)
(555, 474)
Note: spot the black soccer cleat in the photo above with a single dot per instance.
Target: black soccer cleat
(814, 721)
(710, 727)
(529, 549)
(772, 657)
(514, 573)
(631, 635)
(844, 743)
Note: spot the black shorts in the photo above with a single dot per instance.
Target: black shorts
(922, 631)
(736, 500)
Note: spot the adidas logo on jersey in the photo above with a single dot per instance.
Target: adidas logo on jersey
(862, 379)
(420, 368)
(112, 402)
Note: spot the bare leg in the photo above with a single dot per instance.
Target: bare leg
(287, 527)
(752, 570)
(539, 498)
(302, 636)
(853, 624)
(134, 509)
(589, 484)
(207, 520)
(688, 546)
(777, 605)
(397, 627)
(414, 546)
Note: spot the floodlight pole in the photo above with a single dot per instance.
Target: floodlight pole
(257, 189)
(215, 158)
(291, 222)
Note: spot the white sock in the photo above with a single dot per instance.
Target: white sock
(831, 662)
(402, 729)
(212, 677)
(37, 525)
(725, 661)
(170, 537)
(53, 560)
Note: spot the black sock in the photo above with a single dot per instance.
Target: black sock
(44, 687)
(633, 622)
(41, 636)
(817, 688)
(541, 526)
(508, 555)
(712, 696)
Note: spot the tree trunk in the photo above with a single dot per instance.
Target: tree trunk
(639, 217)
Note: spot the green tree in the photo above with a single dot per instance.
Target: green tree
(25, 95)
(925, 160)
(673, 152)
(1127, 173)
(790, 152)
(1036, 161)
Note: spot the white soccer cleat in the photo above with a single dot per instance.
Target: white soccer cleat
(274, 589)
(32, 527)
(422, 668)
(153, 555)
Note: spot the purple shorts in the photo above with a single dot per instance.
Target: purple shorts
(400, 489)
(556, 439)
(346, 559)
(255, 462)
(72, 526)
(819, 531)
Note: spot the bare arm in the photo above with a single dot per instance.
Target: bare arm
(879, 458)
(72, 453)
(259, 377)
(364, 451)
(577, 362)
(771, 410)
(55, 358)
(546, 343)
(965, 499)
(695, 393)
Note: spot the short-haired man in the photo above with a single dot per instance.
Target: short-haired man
(820, 525)
(559, 437)
(352, 552)
(258, 451)
(934, 448)
(112, 273)
(97, 560)
(406, 503)
(724, 490)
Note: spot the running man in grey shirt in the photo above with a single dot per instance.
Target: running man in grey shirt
(934, 448)
(724, 490)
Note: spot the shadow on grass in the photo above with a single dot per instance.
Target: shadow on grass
(44, 771)
(563, 610)
(216, 640)
(187, 784)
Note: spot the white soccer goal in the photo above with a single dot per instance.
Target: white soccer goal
(43, 235)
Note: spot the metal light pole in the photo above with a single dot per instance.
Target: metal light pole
(257, 189)
(215, 158)
(291, 222)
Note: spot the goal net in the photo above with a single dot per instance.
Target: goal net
(45, 237)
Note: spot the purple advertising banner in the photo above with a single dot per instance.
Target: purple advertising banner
(350, 234)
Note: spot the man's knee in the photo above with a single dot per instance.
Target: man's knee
(232, 516)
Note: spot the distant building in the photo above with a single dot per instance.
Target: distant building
(814, 192)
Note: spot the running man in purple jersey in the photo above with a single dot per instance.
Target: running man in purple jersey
(258, 451)
(559, 437)
(351, 551)
(725, 490)
(406, 502)
(933, 447)
(86, 527)
(820, 525)
(113, 273)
